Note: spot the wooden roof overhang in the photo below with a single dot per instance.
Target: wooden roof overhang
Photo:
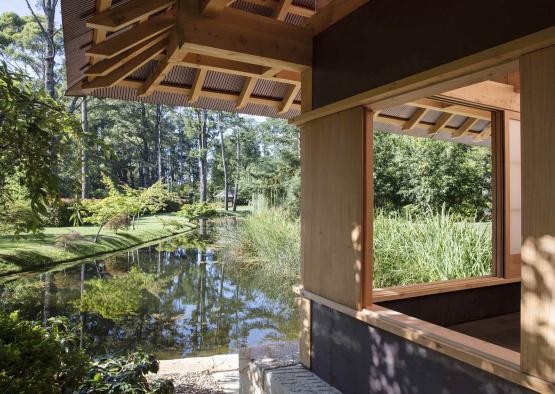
(231, 55)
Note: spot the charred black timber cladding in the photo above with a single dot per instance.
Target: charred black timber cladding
(387, 40)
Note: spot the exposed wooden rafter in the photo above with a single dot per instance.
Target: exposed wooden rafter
(128, 68)
(246, 92)
(331, 13)
(415, 119)
(172, 57)
(106, 66)
(125, 15)
(134, 36)
(212, 8)
(100, 35)
(440, 123)
(289, 98)
(464, 128)
(220, 95)
(246, 37)
(197, 85)
(282, 9)
(238, 68)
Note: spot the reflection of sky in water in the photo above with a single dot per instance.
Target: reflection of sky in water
(194, 312)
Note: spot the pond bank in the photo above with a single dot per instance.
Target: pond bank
(54, 246)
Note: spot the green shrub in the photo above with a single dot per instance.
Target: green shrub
(199, 210)
(58, 214)
(35, 359)
(18, 217)
(125, 375)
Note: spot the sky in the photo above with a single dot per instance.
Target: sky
(20, 7)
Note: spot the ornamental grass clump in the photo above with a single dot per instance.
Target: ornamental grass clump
(428, 248)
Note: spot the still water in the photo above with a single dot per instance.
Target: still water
(174, 299)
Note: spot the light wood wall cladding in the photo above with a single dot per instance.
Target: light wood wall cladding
(537, 72)
(332, 198)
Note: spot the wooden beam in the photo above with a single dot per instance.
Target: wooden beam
(245, 95)
(484, 134)
(122, 72)
(99, 35)
(241, 36)
(212, 8)
(488, 93)
(238, 68)
(220, 95)
(197, 85)
(293, 9)
(537, 335)
(135, 36)
(332, 13)
(117, 18)
(173, 55)
(415, 119)
(289, 98)
(456, 109)
(441, 122)
(282, 9)
(106, 66)
(464, 128)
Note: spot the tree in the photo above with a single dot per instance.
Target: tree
(48, 33)
(224, 164)
(29, 121)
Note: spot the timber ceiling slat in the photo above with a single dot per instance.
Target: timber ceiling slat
(137, 35)
(125, 15)
(212, 8)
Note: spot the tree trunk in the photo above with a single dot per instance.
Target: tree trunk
(237, 171)
(98, 233)
(203, 147)
(85, 149)
(158, 128)
(226, 185)
(145, 173)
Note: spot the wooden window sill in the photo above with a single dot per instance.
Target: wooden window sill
(424, 289)
(486, 356)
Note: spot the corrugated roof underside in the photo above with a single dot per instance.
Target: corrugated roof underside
(78, 38)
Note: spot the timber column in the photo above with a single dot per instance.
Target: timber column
(537, 70)
(336, 212)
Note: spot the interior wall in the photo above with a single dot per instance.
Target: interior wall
(332, 160)
(386, 40)
(457, 307)
(356, 357)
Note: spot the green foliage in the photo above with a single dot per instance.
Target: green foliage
(121, 296)
(29, 123)
(18, 218)
(35, 359)
(267, 241)
(422, 174)
(200, 210)
(434, 247)
(122, 375)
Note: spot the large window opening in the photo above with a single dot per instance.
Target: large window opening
(447, 213)
(433, 185)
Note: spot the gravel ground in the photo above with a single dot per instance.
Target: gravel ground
(191, 383)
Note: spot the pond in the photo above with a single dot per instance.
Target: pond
(174, 299)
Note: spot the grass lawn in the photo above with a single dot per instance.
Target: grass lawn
(30, 251)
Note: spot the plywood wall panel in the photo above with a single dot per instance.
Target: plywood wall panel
(332, 161)
(537, 71)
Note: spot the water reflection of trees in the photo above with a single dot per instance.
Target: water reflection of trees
(201, 306)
